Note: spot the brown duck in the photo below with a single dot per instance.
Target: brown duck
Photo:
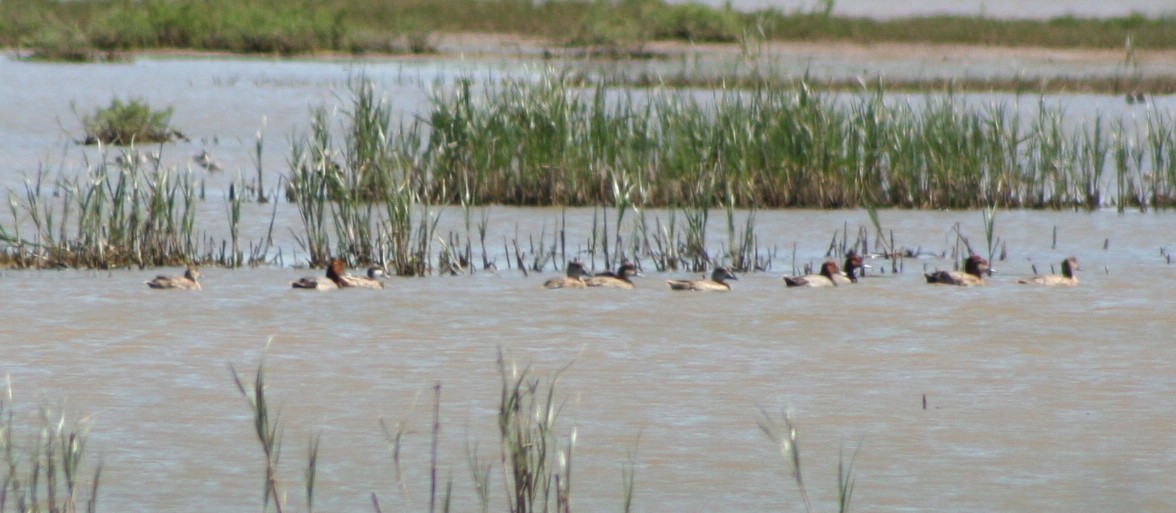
(717, 282)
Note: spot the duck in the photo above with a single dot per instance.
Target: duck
(829, 276)
(617, 280)
(314, 283)
(576, 278)
(337, 278)
(1067, 278)
(717, 282)
(189, 281)
(204, 160)
(975, 267)
(853, 262)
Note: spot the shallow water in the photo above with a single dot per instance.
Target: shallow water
(1036, 398)
(223, 105)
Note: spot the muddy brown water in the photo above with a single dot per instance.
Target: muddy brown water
(1037, 398)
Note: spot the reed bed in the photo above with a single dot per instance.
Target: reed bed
(367, 183)
(361, 199)
(557, 141)
(120, 213)
(367, 192)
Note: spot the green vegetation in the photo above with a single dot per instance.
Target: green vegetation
(537, 466)
(368, 187)
(117, 215)
(370, 194)
(400, 26)
(553, 142)
(783, 435)
(129, 123)
(45, 469)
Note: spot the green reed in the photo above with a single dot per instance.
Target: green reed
(116, 215)
(47, 469)
(783, 434)
(269, 436)
(559, 141)
(123, 211)
(538, 469)
(128, 123)
(366, 197)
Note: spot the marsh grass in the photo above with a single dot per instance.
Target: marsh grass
(45, 469)
(783, 434)
(538, 469)
(368, 184)
(559, 141)
(269, 436)
(126, 123)
(363, 198)
(123, 211)
(536, 457)
(111, 217)
(610, 28)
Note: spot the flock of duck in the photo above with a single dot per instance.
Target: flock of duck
(576, 277)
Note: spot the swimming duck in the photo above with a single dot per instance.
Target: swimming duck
(574, 279)
(828, 277)
(187, 282)
(975, 267)
(337, 278)
(204, 160)
(853, 262)
(1068, 276)
(717, 282)
(315, 283)
(617, 280)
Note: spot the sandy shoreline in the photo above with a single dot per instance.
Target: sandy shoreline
(931, 60)
(832, 61)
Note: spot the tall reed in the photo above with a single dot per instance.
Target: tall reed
(365, 198)
(783, 434)
(115, 215)
(556, 140)
(538, 469)
(46, 470)
(269, 436)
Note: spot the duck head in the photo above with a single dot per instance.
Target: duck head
(976, 266)
(335, 270)
(829, 269)
(1069, 267)
(721, 273)
(192, 273)
(627, 270)
(576, 270)
(853, 262)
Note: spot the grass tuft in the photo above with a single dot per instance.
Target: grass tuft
(128, 123)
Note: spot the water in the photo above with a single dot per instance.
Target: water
(224, 104)
(1037, 399)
